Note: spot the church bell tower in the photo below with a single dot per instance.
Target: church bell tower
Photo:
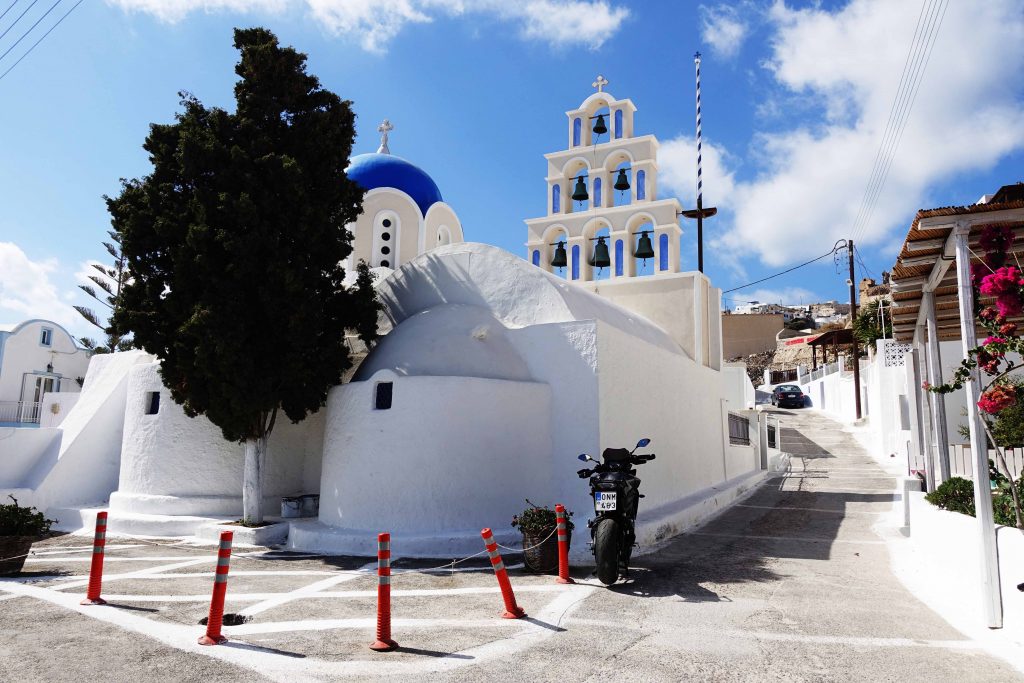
(604, 218)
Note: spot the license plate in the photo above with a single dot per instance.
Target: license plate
(605, 501)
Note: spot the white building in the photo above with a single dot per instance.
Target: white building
(36, 357)
(494, 375)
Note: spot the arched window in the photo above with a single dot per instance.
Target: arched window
(641, 185)
(444, 236)
(597, 192)
(536, 257)
(618, 123)
(575, 262)
(577, 129)
(556, 198)
(662, 250)
(619, 248)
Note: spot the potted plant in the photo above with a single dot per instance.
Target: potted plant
(19, 527)
(540, 542)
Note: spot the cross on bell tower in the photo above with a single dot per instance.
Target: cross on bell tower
(600, 83)
(384, 128)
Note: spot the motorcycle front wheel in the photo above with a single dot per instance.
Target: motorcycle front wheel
(606, 550)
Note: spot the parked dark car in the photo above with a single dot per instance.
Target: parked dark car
(788, 395)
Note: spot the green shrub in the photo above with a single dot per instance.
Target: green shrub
(955, 495)
(1002, 503)
(539, 520)
(16, 520)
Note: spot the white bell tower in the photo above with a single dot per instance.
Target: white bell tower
(613, 175)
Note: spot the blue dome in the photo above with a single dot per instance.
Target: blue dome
(386, 170)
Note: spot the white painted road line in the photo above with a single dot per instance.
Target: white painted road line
(141, 574)
(337, 595)
(305, 591)
(855, 641)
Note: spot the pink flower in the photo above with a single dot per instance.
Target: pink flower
(1009, 305)
(993, 340)
(997, 398)
(1004, 280)
(926, 385)
(1008, 329)
(988, 313)
(996, 237)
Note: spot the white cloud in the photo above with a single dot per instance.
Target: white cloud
(787, 296)
(375, 23)
(677, 166)
(724, 29)
(27, 291)
(966, 117)
(175, 10)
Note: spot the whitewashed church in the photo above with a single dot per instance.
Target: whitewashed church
(496, 371)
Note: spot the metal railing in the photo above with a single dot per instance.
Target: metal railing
(739, 430)
(20, 412)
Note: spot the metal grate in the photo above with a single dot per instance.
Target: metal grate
(739, 430)
(894, 354)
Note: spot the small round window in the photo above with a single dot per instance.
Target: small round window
(385, 250)
(386, 263)
(385, 236)
(387, 223)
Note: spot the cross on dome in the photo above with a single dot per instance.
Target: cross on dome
(600, 83)
(384, 128)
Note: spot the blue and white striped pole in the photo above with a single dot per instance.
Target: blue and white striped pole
(700, 178)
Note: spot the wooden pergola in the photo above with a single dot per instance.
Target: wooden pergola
(833, 339)
(933, 302)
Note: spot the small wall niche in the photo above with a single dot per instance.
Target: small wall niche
(382, 395)
(152, 402)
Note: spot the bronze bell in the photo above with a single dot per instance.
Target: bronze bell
(599, 127)
(601, 257)
(579, 194)
(559, 260)
(644, 247)
(622, 182)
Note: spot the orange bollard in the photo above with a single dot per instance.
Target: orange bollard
(512, 610)
(563, 546)
(92, 595)
(384, 642)
(220, 588)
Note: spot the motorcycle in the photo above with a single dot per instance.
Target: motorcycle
(616, 492)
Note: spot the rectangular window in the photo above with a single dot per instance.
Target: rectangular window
(46, 337)
(382, 399)
(152, 402)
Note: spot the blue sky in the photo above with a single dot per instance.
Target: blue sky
(796, 97)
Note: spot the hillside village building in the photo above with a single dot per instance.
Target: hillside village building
(36, 357)
(494, 374)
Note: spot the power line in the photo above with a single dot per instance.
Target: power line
(8, 9)
(27, 52)
(30, 29)
(918, 56)
(831, 251)
(856, 253)
(18, 19)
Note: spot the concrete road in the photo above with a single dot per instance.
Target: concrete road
(791, 585)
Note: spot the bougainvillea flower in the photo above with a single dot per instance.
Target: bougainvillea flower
(1004, 280)
(997, 398)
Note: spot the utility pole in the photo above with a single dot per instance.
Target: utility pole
(853, 316)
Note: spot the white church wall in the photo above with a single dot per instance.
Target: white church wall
(649, 392)
(20, 451)
(83, 470)
(440, 227)
(172, 464)
(451, 455)
(404, 243)
(739, 390)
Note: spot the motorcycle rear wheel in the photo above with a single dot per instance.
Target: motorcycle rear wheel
(606, 550)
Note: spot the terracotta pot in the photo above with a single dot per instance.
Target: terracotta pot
(13, 551)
